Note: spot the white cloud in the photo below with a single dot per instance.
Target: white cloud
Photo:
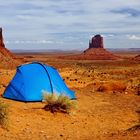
(37, 20)
(44, 42)
(134, 37)
(67, 16)
(29, 42)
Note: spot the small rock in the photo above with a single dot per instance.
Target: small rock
(61, 135)
(42, 131)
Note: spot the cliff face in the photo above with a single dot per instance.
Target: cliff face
(96, 50)
(4, 50)
(96, 42)
(1, 39)
(7, 59)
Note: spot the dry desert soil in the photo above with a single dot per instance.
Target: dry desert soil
(108, 102)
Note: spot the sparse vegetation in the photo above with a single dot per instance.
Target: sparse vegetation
(3, 114)
(133, 86)
(59, 103)
(113, 111)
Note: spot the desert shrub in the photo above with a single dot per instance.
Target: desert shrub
(59, 103)
(133, 86)
(3, 114)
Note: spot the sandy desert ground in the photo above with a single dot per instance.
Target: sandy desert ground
(108, 104)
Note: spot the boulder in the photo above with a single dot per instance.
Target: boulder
(7, 59)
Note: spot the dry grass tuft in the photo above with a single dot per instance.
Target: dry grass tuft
(59, 103)
(3, 115)
(133, 86)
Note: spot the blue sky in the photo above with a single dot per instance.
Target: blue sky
(63, 24)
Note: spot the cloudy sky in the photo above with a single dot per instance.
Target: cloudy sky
(69, 24)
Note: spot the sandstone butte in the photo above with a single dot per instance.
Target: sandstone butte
(7, 59)
(95, 51)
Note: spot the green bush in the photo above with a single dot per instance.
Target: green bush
(59, 103)
(3, 114)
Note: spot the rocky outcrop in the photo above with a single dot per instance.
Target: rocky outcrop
(137, 58)
(4, 50)
(98, 54)
(7, 59)
(96, 42)
(1, 39)
(95, 51)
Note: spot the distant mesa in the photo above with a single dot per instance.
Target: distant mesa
(95, 51)
(7, 59)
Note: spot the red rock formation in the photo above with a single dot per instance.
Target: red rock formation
(95, 51)
(7, 59)
(137, 58)
(4, 50)
(96, 42)
(1, 39)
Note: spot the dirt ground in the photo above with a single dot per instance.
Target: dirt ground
(107, 103)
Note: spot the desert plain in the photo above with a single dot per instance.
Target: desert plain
(108, 101)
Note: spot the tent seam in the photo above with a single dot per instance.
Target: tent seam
(47, 74)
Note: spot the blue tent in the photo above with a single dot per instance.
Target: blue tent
(31, 79)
